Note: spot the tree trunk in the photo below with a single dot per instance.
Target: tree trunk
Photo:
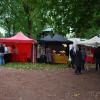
(13, 29)
(9, 31)
(30, 24)
(8, 27)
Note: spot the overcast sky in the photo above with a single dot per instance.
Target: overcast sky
(2, 31)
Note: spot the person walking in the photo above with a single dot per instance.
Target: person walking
(97, 58)
(78, 61)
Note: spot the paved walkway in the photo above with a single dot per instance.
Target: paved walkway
(49, 85)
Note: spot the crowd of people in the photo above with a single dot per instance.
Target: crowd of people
(5, 53)
(3, 50)
(78, 59)
(44, 55)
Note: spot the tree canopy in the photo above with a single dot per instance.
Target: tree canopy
(31, 16)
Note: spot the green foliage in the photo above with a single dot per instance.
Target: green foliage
(85, 13)
(31, 16)
(92, 32)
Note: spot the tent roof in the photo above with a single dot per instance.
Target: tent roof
(47, 38)
(76, 41)
(95, 41)
(60, 38)
(18, 38)
(56, 39)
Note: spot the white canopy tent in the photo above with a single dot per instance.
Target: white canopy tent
(76, 41)
(93, 42)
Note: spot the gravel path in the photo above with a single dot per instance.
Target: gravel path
(49, 85)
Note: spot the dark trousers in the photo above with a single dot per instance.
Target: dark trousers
(42, 59)
(72, 62)
(97, 66)
(97, 63)
(7, 57)
(78, 69)
(83, 65)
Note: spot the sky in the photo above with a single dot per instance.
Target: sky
(2, 31)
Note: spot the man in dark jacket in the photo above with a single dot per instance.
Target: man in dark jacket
(72, 56)
(97, 57)
(1, 54)
(78, 61)
(2, 50)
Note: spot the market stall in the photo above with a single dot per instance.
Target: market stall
(60, 57)
(89, 54)
(91, 44)
(56, 46)
(20, 47)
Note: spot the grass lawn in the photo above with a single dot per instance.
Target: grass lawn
(38, 66)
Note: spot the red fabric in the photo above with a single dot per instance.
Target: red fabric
(18, 38)
(23, 45)
(24, 53)
(92, 50)
(89, 59)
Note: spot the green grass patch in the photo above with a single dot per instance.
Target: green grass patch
(37, 66)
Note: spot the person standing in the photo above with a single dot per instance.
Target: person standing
(1, 54)
(78, 61)
(72, 56)
(49, 55)
(97, 57)
(83, 58)
(42, 53)
(6, 54)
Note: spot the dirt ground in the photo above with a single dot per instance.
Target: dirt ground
(49, 85)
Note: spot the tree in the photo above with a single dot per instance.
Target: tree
(84, 17)
(31, 16)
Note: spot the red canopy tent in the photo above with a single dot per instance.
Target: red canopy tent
(24, 46)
